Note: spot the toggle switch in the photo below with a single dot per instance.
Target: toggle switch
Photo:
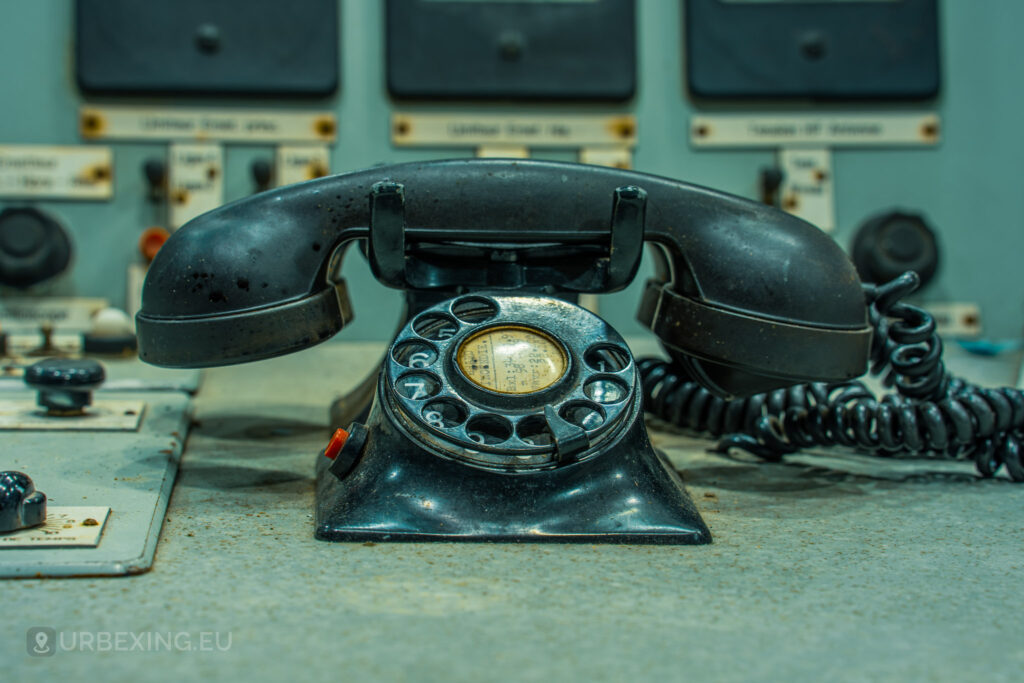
(155, 172)
(262, 174)
(770, 180)
(47, 347)
(21, 506)
(346, 448)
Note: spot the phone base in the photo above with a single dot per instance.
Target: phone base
(398, 491)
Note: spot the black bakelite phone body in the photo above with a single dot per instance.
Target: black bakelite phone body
(503, 411)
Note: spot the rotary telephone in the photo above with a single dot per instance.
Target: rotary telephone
(503, 410)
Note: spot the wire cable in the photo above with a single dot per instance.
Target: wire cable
(930, 413)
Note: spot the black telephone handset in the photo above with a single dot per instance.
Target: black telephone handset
(497, 372)
(746, 295)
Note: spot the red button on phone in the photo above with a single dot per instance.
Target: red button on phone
(335, 444)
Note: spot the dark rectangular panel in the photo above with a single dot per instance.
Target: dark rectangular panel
(843, 49)
(207, 47)
(540, 50)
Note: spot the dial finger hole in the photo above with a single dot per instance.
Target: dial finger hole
(444, 413)
(417, 386)
(489, 429)
(605, 390)
(414, 354)
(534, 431)
(474, 309)
(435, 326)
(606, 358)
(583, 414)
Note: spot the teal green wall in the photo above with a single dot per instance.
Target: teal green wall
(971, 187)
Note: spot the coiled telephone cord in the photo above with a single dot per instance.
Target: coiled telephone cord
(930, 413)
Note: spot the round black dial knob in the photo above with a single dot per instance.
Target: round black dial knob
(65, 386)
(892, 243)
(33, 247)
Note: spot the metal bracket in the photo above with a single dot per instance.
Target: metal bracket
(629, 214)
(387, 233)
(569, 439)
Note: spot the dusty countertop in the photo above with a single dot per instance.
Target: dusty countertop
(822, 568)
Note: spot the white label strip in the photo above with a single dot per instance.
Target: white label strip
(852, 130)
(102, 416)
(956, 319)
(481, 130)
(82, 172)
(615, 157)
(64, 526)
(806, 189)
(26, 314)
(234, 125)
(135, 277)
(503, 152)
(195, 180)
(297, 163)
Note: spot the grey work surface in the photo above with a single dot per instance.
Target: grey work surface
(848, 569)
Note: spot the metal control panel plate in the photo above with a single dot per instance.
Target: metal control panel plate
(531, 50)
(228, 47)
(130, 472)
(845, 49)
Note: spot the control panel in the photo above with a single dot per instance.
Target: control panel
(886, 124)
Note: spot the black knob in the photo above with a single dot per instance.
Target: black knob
(65, 386)
(33, 247)
(262, 174)
(21, 506)
(892, 243)
(208, 38)
(813, 46)
(511, 45)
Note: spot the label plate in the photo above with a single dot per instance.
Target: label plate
(78, 527)
(195, 180)
(956, 319)
(297, 163)
(26, 314)
(615, 157)
(841, 130)
(806, 189)
(234, 125)
(503, 152)
(53, 172)
(103, 416)
(482, 130)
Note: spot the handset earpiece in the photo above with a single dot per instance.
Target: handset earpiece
(747, 298)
